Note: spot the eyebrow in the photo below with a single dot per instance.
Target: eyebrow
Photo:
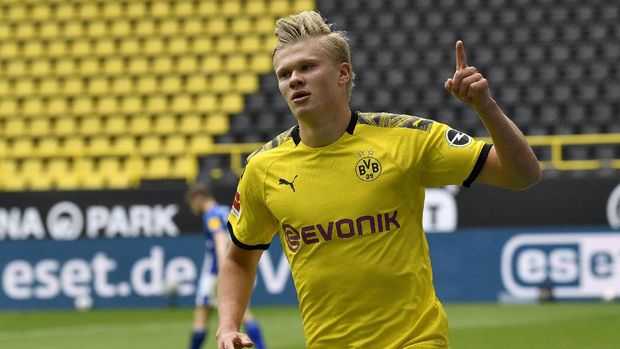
(300, 62)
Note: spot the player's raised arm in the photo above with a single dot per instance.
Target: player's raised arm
(235, 283)
(511, 163)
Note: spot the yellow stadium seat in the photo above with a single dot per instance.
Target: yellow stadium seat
(206, 103)
(129, 46)
(48, 146)
(115, 125)
(255, 8)
(39, 183)
(5, 88)
(200, 144)
(303, 5)
(231, 103)
(73, 145)
(217, 123)
(216, 26)
(33, 106)
(140, 125)
(16, 68)
(40, 12)
(171, 84)
(183, 8)
(99, 145)
(24, 30)
(119, 180)
(184, 167)
(264, 25)
(49, 86)
(211, 64)
(165, 124)
(221, 83)
(231, 8)
(169, 27)
(250, 44)
(24, 87)
(73, 28)
(49, 30)
(73, 86)
(41, 67)
(160, 9)
(83, 106)
(150, 145)
(10, 178)
(131, 104)
(89, 66)
(162, 65)
(242, 25)
(279, 7)
(17, 12)
(153, 46)
(89, 10)
(196, 84)
(261, 63)
(2, 150)
(193, 27)
(58, 48)
(187, 65)
(145, 27)
(174, 144)
(81, 48)
(112, 10)
(32, 49)
(92, 180)
(121, 28)
(146, 85)
(104, 47)
(156, 104)
(246, 83)
(40, 127)
(5, 31)
(108, 105)
(191, 123)
(122, 85)
(178, 46)
(226, 44)
(181, 104)
(32, 167)
(236, 63)
(65, 11)
(115, 66)
(8, 107)
(97, 29)
(90, 126)
(15, 127)
(136, 9)
(98, 86)
(157, 167)
(65, 126)
(202, 45)
(9, 49)
(70, 181)
(208, 8)
(58, 167)
(109, 166)
(268, 44)
(124, 145)
(57, 106)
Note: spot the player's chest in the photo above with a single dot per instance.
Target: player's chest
(363, 179)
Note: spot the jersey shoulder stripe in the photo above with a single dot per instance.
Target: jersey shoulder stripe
(389, 120)
(291, 133)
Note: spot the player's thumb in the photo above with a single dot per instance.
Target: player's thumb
(448, 85)
(244, 341)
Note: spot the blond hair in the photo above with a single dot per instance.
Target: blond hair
(309, 25)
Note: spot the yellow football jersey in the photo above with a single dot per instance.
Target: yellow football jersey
(349, 217)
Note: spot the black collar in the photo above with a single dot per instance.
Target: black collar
(350, 128)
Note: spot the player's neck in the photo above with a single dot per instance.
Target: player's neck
(325, 128)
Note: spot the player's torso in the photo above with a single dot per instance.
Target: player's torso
(350, 225)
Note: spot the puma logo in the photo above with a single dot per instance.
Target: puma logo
(291, 184)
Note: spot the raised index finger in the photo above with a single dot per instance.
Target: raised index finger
(461, 61)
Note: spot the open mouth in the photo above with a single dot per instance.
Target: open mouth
(300, 96)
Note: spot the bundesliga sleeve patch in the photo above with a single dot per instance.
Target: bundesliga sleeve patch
(457, 138)
(215, 224)
(236, 207)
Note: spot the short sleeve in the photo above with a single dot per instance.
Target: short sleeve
(450, 157)
(250, 223)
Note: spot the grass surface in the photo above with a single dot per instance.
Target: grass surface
(571, 326)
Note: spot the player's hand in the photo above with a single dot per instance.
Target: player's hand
(233, 340)
(468, 84)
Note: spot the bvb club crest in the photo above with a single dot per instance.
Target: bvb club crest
(368, 168)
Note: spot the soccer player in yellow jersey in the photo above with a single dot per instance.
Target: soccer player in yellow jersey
(345, 191)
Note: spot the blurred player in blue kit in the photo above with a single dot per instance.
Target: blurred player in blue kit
(214, 217)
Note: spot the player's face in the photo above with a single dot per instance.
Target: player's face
(196, 204)
(308, 79)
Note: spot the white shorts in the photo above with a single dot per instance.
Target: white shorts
(206, 293)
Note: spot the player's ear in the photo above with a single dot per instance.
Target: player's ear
(344, 73)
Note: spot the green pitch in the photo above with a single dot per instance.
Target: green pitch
(475, 326)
